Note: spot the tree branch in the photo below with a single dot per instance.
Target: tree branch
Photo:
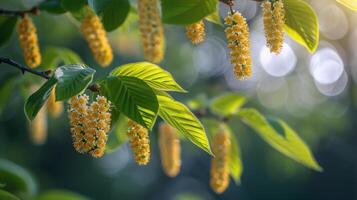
(19, 13)
(42, 74)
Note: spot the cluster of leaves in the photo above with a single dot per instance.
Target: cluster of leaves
(17, 183)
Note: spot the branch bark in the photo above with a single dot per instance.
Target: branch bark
(19, 13)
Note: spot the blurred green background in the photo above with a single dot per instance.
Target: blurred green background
(316, 94)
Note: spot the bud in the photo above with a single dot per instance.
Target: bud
(139, 142)
(274, 20)
(29, 42)
(95, 35)
(170, 150)
(237, 34)
(54, 108)
(151, 29)
(219, 166)
(196, 32)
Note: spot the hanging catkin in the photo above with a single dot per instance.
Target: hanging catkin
(151, 29)
(95, 35)
(38, 127)
(54, 108)
(219, 165)
(274, 19)
(29, 42)
(196, 32)
(90, 124)
(170, 150)
(237, 34)
(139, 142)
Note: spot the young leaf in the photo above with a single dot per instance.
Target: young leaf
(35, 102)
(351, 4)
(284, 139)
(113, 12)
(73, 5)
(7, 196)
(52, 6)
(53, 56)
(215, 18)
(7, 25)
(16, 179)
(302, 24)
(179, 116)
(186, 11)
(235, 162)
(60, 195)
(118, 135)
(152, 74)
(72, 80)
(132, 97)
(227, 104)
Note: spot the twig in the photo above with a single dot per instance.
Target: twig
(19, 13)
(43, 74)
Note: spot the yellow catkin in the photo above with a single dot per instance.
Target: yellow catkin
(95, 35)
(237, 34)
(170, 150)
(151, 29)
(38, 127)
(219, 165)
(139, 142)
(274, 19)
(54, 108)
(89, 124)
(29, 42)
(196, 32)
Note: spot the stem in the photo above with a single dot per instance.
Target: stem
(43, 74)
(19, 13)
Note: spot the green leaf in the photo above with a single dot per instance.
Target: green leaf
(152, 74)
(60, 195)
(186, 11)
(179, 116)
(52, 6)
(227, 104)
(35, 102)
(235, 161)
(302, 24)
(199, 102)
(7, 25)
(215, 18)
(351, 4)
(118, 135)
(132, 97)
(53, 56)
(72, 80)
(73, 5)
(16, 179)
(7, 196)
(283, 139)
(113, 12)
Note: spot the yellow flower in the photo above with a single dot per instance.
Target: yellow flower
(139, 142)
(29, 42)
(95, 35)
(151, 29)
(274, 19)
(219, 165)
(196, 32)
(237, 33)
(54, 108)
(170, 150)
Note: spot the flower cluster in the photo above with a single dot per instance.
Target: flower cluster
(219, 166)
(237, 34)
(170, 150)
(29, 42)
(90, 124)
(196, 32)
(139, 142)
(151, 29)
(95, 35)
(38, 127)
(274, 19)
(54, 108)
